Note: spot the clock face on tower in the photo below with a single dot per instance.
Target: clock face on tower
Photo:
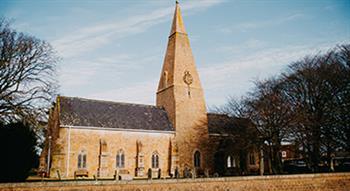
(187, 78)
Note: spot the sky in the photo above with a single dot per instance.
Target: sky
(114, 49)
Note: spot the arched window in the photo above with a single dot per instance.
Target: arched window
(231, 162)
(251, 159)
(197, 159)
(120, 159)
(82, 160)
(284, 154)
(155, 160)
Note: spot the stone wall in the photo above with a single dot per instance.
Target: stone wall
(318, 182)
(89, 141)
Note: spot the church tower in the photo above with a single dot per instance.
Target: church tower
(181, 94)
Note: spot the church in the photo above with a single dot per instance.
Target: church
(177, 136)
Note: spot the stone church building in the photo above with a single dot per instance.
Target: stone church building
(103, 138)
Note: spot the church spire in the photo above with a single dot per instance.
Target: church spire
(180, 93)
(178, 24)
(178, 62)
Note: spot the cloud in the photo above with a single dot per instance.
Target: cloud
(139, 92)
(76, 75)
(231, 77)
(143, 93)
(235, 76)
(244, 46)
(79, 72)
(93, 37)
(262, 24)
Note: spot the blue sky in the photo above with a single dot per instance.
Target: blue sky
(114, 50)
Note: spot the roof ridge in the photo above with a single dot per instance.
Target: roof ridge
(109, 101)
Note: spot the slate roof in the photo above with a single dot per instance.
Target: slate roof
(96, 113)
(225, 125)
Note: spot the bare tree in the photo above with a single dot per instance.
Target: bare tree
(317, 88)
(233, 108)
(342, 111)
(272, 118)
(27, 75)
(308, 105)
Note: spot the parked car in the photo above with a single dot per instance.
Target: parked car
(295, 166)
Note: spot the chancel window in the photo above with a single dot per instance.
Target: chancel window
(284, 154)
(120, 159)
(82, 160)
(197, 159)
(231, 162)
(155, 160)
(251, 159)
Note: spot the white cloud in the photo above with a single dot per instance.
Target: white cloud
(76, 75)
(93, 37)
(262, 24)
(79, 72)
(143, 93)
(249, 44)
(235, 77)
(221, 78)
(269, 23)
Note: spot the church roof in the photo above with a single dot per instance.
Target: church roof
(107, 114)
(225, 125)
(219, 123)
